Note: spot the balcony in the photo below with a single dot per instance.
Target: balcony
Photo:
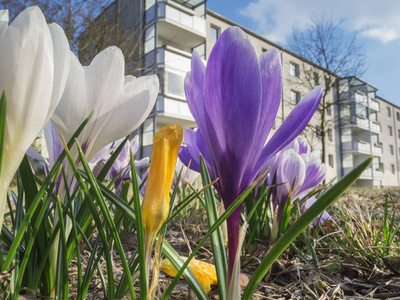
(367, 174)
(375, 127)
(377, 150)
(362, 147)
(360, 122)
(178, 25)
(378, 174)
(360, 98)
(374, 105)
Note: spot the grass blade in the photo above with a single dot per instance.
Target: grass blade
(305, 219)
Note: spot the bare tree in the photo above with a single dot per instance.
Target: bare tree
(92, 25)
(325, 45)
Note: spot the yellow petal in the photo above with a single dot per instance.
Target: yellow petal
(204, 272)
(155, 205)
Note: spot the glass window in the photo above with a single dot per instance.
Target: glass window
(330, 158)
(398, 116)
(151, 14)
(347, 160)
(294, 70)
(214, 33)
(316, 78)
(390, 130)
(345, 111)
(161, 10)
(149, 3)
(149, 38)
(175, 84)
(392, 166)
(346, 135)
(148, 132)
(388, 112)
(330, 135)
(294, 97)
(391, 149)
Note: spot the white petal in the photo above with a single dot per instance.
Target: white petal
(26, 64)
(134, 105)
(61, 65)
(72, 109)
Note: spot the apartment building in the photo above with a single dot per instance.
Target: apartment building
(361, 123)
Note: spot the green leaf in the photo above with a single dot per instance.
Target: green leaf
(217, 241)
(108, 219)
(214, 227)
(29, 214)
(305, 219)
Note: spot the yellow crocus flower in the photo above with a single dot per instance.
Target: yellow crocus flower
(155, 207)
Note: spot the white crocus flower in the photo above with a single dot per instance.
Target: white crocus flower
(27, 74)
(120, 103)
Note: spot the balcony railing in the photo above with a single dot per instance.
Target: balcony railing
(182, 18)
(374, 105)
(375, 127)
(376, 150)
(378, 174)
(367, 174)
(362, 147)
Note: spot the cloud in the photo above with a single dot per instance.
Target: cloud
(373, 19)
(385, 35)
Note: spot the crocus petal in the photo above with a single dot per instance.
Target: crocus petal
(315, 173)
(143, 163)
(31, 152)
(135, 102)
(61, 65)
(135, 144)
(229, 80)
(155, 207)
(293, 125)
(53, 143)
(324, 216)
(271, 76)
(303, 145)
(27, 70)
(291, 170)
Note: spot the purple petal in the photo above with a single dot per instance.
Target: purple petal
(292, 169)
(315, 173)
(324, 216)
(303, 145)
(143, 163)
(271, 76)
(293, 125)
(31, 152)
(53, 143)
(185, 155)
(135, 145)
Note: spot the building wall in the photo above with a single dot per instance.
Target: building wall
(390, 158)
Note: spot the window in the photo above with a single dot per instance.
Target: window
(391, 149)
(330, 134)
(295, 97)
(330, 158)
(398, 133)
(148, 127)
(388, 112)
(149, 38)
(214, 33)
(390, 130)
(392, 166)
(294, 70)
(347, 160)
(329, 110)
(316, 78)
(398, 116)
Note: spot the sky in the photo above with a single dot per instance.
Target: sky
(375, 22)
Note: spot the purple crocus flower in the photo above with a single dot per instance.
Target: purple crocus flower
(297, 173)
(234, 101)
(122, 165)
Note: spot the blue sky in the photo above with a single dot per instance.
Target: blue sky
(376, 23)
